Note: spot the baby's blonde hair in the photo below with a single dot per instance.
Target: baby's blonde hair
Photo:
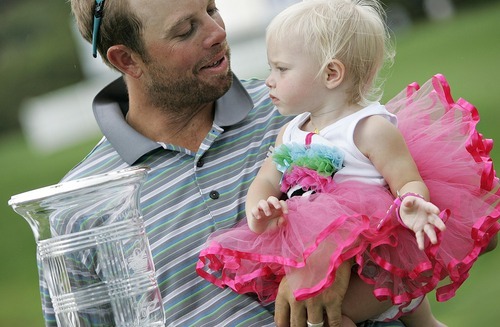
(351, 31)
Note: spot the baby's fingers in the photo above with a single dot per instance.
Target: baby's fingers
(420, 239)
(437, 222)
(273, 201)
(431, 233)
(284, 207)
(263, 206)
(420, 236)
(431, 208)
(255, 213)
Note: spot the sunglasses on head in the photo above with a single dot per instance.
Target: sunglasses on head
(98, 11)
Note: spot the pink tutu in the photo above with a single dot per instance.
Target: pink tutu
(453, 159)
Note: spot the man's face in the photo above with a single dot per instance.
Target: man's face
(188, 60)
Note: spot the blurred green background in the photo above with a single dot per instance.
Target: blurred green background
(38, 55)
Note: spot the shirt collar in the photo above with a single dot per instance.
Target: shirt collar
(111, 105)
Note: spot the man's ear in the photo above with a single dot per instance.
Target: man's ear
(125, 60)
(335, 73)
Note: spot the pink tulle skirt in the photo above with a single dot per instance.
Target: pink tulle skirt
(326, 229)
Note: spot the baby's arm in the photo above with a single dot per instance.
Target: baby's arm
(264, 210)
(384, 145)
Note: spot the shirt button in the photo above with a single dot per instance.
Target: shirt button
(214, 195)
(200, 163)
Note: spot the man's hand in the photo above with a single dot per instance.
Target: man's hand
(326, 306)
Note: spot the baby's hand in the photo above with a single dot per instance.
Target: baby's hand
(267, 215)
(421, 217)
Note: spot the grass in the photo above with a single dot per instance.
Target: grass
(465, 49)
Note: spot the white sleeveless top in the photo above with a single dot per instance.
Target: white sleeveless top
(357, 167)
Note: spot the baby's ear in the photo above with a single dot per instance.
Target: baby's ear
(335, 71)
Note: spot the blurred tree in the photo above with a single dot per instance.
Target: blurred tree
(37, 54)
(415, 8)
(6, 3)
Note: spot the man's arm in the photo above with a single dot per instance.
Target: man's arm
(327, 305)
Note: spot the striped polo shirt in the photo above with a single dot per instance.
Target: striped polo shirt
(189, 195)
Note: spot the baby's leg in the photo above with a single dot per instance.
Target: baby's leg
(347, 322)
(421, 316)
(359, 302)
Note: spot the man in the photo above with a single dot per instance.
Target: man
(202, 133)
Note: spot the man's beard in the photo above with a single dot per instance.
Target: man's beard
(178, 94)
